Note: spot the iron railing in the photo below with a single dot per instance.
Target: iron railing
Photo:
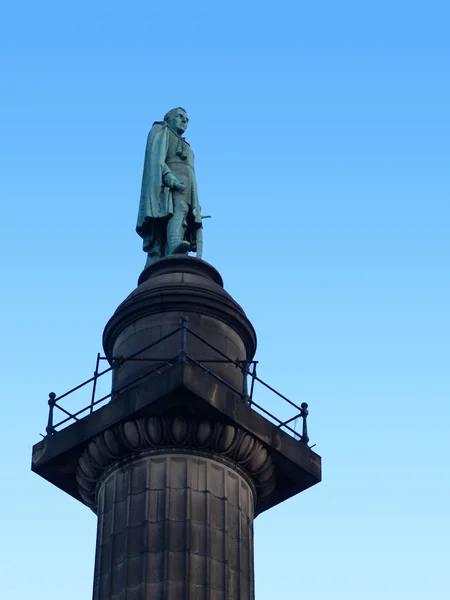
(248, 369)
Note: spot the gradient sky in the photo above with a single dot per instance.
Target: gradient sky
(322, 140)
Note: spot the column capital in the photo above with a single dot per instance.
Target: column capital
(168, 434)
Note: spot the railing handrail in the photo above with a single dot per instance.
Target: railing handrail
(182, 357)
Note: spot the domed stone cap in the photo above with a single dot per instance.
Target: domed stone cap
(177, 286)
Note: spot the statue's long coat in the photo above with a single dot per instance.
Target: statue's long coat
(156, 199)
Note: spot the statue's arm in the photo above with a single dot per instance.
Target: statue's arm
(156, 168)
(169, 179)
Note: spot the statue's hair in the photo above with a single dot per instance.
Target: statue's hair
(169, 114)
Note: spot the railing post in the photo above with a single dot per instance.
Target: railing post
(94, 385)
(182, 354)
(50, 430)
(252, 387)
(304, 415)
(116, 363)
(245, 372)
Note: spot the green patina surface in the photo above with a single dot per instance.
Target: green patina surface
(169, 218)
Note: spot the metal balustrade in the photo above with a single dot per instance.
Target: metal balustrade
(160, 365)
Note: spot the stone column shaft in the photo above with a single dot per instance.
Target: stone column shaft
(174, 526)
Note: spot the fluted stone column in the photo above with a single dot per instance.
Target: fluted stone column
(174, 526)
(175, 500)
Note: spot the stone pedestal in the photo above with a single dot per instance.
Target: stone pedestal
(177, 465)
(173, 288)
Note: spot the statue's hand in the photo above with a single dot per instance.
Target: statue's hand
(172, 182)
(178, 186)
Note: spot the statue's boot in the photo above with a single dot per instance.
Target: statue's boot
(179, 246)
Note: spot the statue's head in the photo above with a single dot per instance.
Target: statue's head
(177, 119)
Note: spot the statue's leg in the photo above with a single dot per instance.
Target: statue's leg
(176, 228)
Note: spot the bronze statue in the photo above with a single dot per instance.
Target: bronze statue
(169, 219)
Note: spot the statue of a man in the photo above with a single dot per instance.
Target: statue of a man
(169, 219)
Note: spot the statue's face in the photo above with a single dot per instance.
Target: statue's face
(178, 121)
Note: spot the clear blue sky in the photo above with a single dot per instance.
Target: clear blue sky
(322, 140)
